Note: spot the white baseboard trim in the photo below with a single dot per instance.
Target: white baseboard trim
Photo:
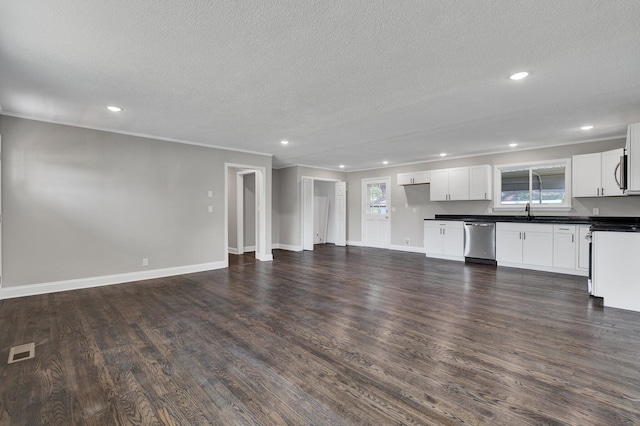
(411, 249)
(446, 257)
(233, 250)
(249, 249)
(53, 287)
(264, 257)
(286, 247)
(578, 272)
(355, 243)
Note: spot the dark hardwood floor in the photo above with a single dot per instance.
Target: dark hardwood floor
(338, 336)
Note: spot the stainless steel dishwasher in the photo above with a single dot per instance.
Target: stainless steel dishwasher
(480, 242)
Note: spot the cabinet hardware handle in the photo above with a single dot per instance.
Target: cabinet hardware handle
(564, 229)
(485, 195)
(572, 239)
(598, 192)
(603, 192)
(524, 235)
(519, 235)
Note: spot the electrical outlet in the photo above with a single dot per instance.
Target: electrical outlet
(145, 262)
(596, 211)
(407, 241)
(415, 210)
(210, 194)
(210, 209)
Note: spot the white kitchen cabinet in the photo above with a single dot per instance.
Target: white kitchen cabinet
(597, 174)
(537, 246)
(415, 178)
(633, 158)
(444, 239)
(480, 182)
(508, 244)
(439, 190)
(583, 248)
(565, 249)
(524, 244)
(616, 269)
(450, 184)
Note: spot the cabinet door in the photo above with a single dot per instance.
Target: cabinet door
(564, 249)
(459, 183)
(509, 246)
(586, 175)
(439, 185)
(453, 242)
(432, 239)
(537, 248)
(404, 178)
(583, 248)
(633, 151)
(480, 183)
(611, 173)
(421, 177)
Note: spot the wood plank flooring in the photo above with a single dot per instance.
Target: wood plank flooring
(338, 336)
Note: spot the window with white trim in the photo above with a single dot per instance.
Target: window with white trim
(546, 185)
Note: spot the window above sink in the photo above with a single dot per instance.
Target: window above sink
(545, 185)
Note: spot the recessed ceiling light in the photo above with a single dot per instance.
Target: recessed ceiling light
(385, 162)
(114, 108)
(342, 166)
(513, 144)
(443, 154)
(589, 127)
(284, 142)
(519, 75)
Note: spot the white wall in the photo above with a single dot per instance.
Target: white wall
(80, 203)
(288, 182)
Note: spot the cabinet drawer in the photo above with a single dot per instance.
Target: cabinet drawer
(564, 229)
(450, 224)
(524, 227)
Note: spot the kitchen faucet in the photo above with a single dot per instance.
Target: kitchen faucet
(527, 209)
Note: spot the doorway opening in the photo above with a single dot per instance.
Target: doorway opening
(245, 214)
(323, 212)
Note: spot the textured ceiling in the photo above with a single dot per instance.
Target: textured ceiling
(346, 82)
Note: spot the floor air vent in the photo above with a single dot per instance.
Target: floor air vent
(22, 352)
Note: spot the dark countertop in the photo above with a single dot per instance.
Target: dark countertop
(598, 223)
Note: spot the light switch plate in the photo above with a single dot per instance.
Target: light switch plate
(596, 211)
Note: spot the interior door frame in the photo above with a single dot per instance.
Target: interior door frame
(240, 210)
(261, 220)
(364, 203)
(304, 240)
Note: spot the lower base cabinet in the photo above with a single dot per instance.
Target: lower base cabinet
(616, 269)
(545, 247)
(524, 244)
(444, 239)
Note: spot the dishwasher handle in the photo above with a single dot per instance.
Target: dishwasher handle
(478, 224)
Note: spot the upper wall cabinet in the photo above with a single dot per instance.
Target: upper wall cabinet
(461, 183)
(598, 174)
(480, 183)
(416, 178)
(633, 160)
